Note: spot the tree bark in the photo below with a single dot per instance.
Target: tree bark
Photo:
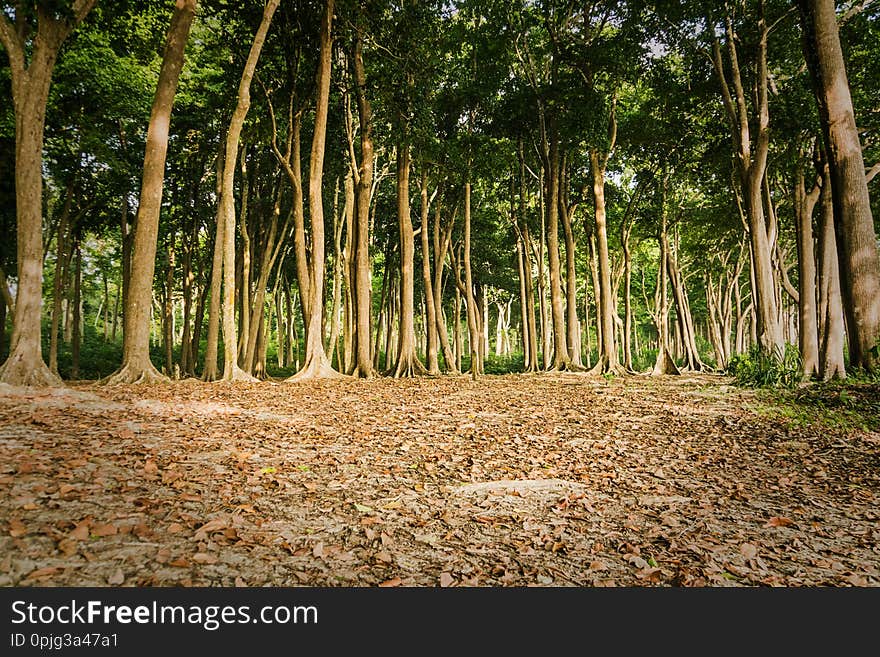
(832, 330)
(316, 364)
(808, 335)
(854, 225)
(31, 80)
(231, 370)
(432, 338)
(136, 365)
(468, 291)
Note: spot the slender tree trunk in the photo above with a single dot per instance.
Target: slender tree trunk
(408, 363)
(316, 364)
(833, 332)
(573, 335)
(664, 363)
(607, 360)
(231, 370)
(168, 308)
(136, 365)
(473, 322)
(854, 225)
(432, 360)
(62, 262)
(76, 340)
(808, 335)
(561, 359)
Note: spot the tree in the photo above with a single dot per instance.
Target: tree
(136, 365)
(856, 241)
(32, 37)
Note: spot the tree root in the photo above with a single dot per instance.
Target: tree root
(21, 371)
(665, 365)
(136, 374)
(604, 366)
(409, 366)
(316, 367)
(235, 373)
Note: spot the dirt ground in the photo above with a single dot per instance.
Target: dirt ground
(519, 480)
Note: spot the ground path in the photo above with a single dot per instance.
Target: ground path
(551, 480)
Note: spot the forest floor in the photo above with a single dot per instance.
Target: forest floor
(547, 480)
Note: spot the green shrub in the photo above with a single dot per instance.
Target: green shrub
(757, 369)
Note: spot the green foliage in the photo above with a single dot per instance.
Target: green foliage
(756, 369)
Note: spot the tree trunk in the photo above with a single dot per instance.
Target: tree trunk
(62, 262)
(136, 365)
(31, 80)
(231, 370)
(573, 335)
(664, 363)
(432, 360)
(854, 225)
(168, 308)
(408, 363)
(316, 364)
(833, 332)
(561, 359)
(607, 360)
(468, 291)
(808, 335)
(76, 339)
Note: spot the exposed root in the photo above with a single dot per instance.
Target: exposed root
(316, 367)
(235, 373)
(664, 364)
(19, 370)
(409, 366)
(134, 373)
(605, 366)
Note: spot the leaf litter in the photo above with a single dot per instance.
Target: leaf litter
(518, 480)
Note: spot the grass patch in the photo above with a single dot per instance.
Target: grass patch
(838, 405)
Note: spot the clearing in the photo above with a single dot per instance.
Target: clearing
(548, 480)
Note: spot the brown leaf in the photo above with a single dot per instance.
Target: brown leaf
(446, 579)
(318, 550)
(777, 521)
(17, 528)
(175, 528)
(385, 556)
(180, 562)
(394, 581)
(239, 582)
(117, 578)
(43, 572)
(204, 558)
(748, 550)
(211, 526)
(598, 566)
(150, 468)
(649, 574)
(68, 547)
(105, 530)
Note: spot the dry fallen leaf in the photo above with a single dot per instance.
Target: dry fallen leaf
(748, 550)
(394, 581)
(17, 528)
(117, 578)
(777, 521)
(446, 579)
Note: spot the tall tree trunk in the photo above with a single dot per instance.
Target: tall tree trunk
(363, 279)
(408, 363)
(607, 360)
(833, 332)
(432, 360)
(136, 365)
(31, 80)
(211, 372)
(664, 363)
(316, 364)
(168, 308)
(468, 291)
(751, 162)
(854, 225)
(231, 370)
(441, 248)
(76, 340)
(808, 335)
(62, 262)
(561, 359)
(573, 334)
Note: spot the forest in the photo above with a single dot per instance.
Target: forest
(411, 292)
